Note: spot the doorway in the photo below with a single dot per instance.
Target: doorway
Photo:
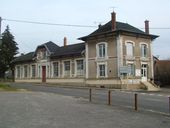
(43, 73)
(144, 72)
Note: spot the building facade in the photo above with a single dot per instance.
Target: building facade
(116, 55)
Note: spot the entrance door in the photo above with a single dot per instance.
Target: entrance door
(43, 73)
(144, 72)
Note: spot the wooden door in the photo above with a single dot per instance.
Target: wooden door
(43, 73)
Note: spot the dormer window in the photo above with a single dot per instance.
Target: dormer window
(42, 54)
(101, 49)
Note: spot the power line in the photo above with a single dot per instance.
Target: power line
(158, 28)
(68, 25)
(42, 23)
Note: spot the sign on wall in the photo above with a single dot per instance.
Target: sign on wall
(125, 69)
(138, 72)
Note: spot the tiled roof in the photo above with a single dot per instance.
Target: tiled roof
(119, 27)
(24, 58)
(69, 50)
(74, 49)
(51, 47)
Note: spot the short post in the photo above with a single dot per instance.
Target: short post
(169, 103)
(136, 102)
(90, 97)
(109, 97)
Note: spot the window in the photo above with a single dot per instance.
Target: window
(33, 71)
(132, 69)
(55, 69)
(22, 71)
(144, 50)
(18, 71)
(102, 70)
(129, 49)
(48, 71)
(39, 71)
(67, 68)
(25, 71)
(80, 67)
(44, 54)
(101, 49)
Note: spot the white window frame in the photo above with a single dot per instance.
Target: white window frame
(134, 73)
(106, 50)
(39, 71)
(147, 50)
(42, 54)
(64, 75)
(24, 71)
(133, 46)
(32, 71)
(98, 70)
(58, 69)
(18, 73)
(47, 70)
(76, 71)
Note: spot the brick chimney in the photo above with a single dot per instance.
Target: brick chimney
(147, 26)
(65, 41)
(113, 18)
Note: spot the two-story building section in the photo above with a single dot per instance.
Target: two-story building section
(116, 55)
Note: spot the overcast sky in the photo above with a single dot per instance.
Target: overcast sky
(82, 12)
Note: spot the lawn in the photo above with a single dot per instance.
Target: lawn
(6, 87)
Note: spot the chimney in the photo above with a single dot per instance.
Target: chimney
(147, 26)
(65, 41)
(113, 17)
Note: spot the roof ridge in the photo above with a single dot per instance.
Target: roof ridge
(120, 26)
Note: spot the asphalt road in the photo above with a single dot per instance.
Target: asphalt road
(146, 101)
(51, 110)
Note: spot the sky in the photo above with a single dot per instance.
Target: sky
(82, 12)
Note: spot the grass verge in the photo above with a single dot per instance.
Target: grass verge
(6, 87)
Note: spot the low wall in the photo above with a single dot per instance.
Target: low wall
(28, 80)
(130, 84)
(74, 82)
(133, 86)
(108, 83)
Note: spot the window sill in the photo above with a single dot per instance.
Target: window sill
(101, 58)
(144, 59)
(130, 57)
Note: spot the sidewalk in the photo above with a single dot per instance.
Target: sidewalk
(163, 91)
